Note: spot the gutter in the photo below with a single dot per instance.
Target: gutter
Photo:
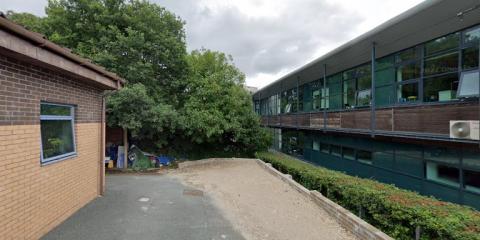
(39, 40)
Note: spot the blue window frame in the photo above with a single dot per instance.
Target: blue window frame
(57, 132)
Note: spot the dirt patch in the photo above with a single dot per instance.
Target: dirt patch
(260, 205)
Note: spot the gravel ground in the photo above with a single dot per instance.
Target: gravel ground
(259, 205)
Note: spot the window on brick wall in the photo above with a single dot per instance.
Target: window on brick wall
(57, 132)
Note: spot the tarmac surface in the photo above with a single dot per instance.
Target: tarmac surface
(147, 207)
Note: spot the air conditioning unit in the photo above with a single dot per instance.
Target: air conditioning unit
(465, 130)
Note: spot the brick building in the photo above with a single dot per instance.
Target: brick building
(51, 132)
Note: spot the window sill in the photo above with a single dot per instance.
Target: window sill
(59, 159)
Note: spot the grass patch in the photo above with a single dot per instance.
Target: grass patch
(395, 211)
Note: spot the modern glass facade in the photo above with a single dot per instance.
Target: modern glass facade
(426, 73)
(433, 76)
(450, 174)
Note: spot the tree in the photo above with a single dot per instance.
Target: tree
(218, 110)
(27, 20)
(140, 41)
(186, 103)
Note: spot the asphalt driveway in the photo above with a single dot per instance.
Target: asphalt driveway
(146, 207)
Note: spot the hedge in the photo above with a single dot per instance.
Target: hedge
(395, 211)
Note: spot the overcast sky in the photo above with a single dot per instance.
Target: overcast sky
(268, 38)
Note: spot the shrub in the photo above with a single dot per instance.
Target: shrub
(395, 211)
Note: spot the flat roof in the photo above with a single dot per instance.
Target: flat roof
(428, 20)
(34, 47)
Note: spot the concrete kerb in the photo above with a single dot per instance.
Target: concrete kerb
(348, 220)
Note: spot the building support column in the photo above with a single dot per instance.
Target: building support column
(323, 92)
(298, 102)
(372, 91)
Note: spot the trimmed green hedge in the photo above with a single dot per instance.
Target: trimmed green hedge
(395, 211)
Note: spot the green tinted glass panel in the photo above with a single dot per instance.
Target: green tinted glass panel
(441, 64)
(408, 71)
(57, 137)
(349, 74)
(335, 102)
(442, 154)
(364, 70)
(364, 82)
(385, 62)
(337, 78)
(472, 180)
(471, 159)
(407, 92)
(443, 88)
(348, 153)
(407, 55)
(55, 110)
(364, 157)
(335, 88)
(385, 96)
(442, 44)
(472, 36)
(470, 58)
(385, 76)
(336, 150)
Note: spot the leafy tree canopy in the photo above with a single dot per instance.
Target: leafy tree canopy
(184, 102)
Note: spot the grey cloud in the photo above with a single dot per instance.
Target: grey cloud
(266, 45)
(258, 45)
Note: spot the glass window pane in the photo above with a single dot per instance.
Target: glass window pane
(472, 35)
(441, 64)
(385, 76)
(57, 137)
(348, 153)
(335, 102)
(406, 55)
(443, 154)
(336, 150)
(349, 93)
(443, 174)
(385, 95)
(441, 44)
(408, 150)
(325, 148)
(349, 74)
(472, 180)
(443, 88)
(55, 110)
(364, 156)
(407, 92)
(469, 82)
(407, 72)
(364, 82)
(471, 159)
(315, 145)
(363, 98)
(316, 99)
(470, 58)
(385, 62)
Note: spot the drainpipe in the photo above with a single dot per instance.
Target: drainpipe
(101, 189)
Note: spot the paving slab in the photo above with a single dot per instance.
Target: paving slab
(147, 207)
